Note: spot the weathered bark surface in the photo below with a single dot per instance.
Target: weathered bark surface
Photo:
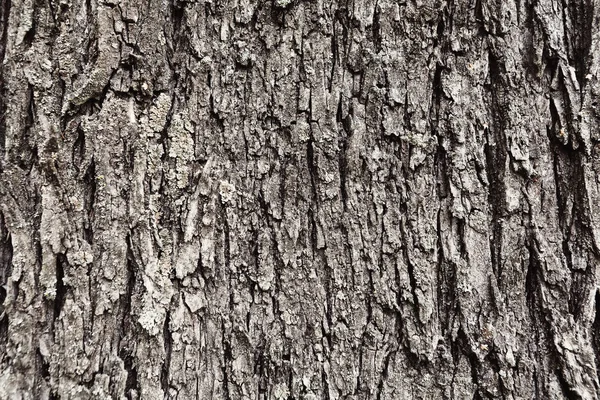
(362, 199)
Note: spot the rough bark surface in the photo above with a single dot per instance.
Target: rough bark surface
(299, 199)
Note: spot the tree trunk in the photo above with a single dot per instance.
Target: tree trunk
(299, 199)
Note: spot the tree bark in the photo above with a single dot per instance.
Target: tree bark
(286, 199)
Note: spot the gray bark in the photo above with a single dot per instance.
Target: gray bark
(299, 199)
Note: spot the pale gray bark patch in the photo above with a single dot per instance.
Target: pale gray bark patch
(365, 199)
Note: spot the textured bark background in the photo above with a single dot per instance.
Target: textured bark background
(299, 199)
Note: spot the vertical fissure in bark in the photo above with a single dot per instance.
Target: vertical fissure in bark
(444, 276)
(43, 366)
(5, 6)
(131, 382)
(345, 134)
(495, 164)
(290, 372)
(409, 267)
(261, 366)
(399, 324)
(178, 38)
(497, 93)
(227, 273)
(496, 154)
(384, 374)
(358, 387)
(406, 114)
(61, 289)
(334, 55)
(38, 376)
(37, 238)
(126, 353)
(227, 360)
(596, 331)
(89, 199)
(29, 36)
(565, 387)
(325, 382)
(462, 239)
(167, 345)
(164, 134)
(26, 152)
(310, 160)
(437, 94)
(6, 255)
(569, 190)
(447, 285)
(536, 384)
(478, 10)
(226, 245)
(532, 285)
(212, 108)
(202, 270)
(541, 319)
(563, 9)
(78, 150)
(461, 345)
(376, 28)
(581, 13)
(493, 359)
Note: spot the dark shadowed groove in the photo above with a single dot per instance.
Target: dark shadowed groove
(495, 155)
(5, 6)
(25, 152)
(335, 55)
(78, 151)
(596, 331)
(376, 28)
(581, 14)
(89, 180)
(461, 235)
(131, 383)
(461, 345)
(311, 162)
(179, 25)
(61, 289)
(478, 9)
(43, 365)
(542, 319)
(227, 360)
(573, 218)
(6, 254)
(42, 368)
(532, 285)
(446, 284)
(226, 274)
(261, 367)
(30, 34)
(325, 382)
(493, 359)
(343, 145)
(126, 352)
(566, 389)
(384, 374)
(168, 346)
(405, 114)
(537, 384)
(446, 273)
